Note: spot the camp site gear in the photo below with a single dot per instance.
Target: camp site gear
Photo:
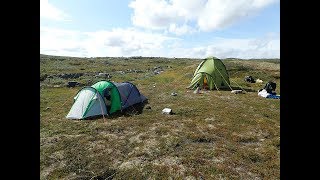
(270, 87)
(90, 101)
(211, 73)
(265, 94)
(249, 79)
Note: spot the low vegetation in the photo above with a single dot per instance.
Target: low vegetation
(212, 135)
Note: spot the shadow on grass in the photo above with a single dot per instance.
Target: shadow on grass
(130, 111)
(108, 174)
(233, 88)
(237, 88)
(246, 89)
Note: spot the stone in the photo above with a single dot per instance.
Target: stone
(174, 94)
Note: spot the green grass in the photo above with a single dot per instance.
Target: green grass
(212, 135)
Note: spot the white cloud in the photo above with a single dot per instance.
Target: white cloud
(208, 15)
(218, 14)
(264, 47)
(48, 11)
(164, 15)
(117, 42)
(184, 29)
(131, 42)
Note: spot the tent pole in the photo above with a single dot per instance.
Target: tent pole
(216, 86)
(101, 108)
(224, 78)
(239, 86)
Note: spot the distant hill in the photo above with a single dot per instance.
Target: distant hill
(44, 56)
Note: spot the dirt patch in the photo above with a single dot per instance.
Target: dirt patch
(46, 171)
(136, 139)
(97, 145)
(109, 136)
(58, 155)
(210, 126)
(174, 164)
(218, 160)
(210, 119)
(150, 146)
(244, 174)
(132, 163)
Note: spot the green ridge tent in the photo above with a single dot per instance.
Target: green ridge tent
(90, 101)
(210, 73)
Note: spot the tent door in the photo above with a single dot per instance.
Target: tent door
(205, 82)
(107, 98)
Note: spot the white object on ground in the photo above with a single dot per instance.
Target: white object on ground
(263, 93)
(236, 91)
(173, 94)
(259, 81)
(166, 111)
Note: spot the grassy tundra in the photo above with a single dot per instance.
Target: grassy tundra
(212, 135)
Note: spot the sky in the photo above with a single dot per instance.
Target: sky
(160, 28)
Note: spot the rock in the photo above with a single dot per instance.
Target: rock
(70, 76)
(105, 75)
(157, 70)
(174, 94)
(72, 84)
(121, 72)
(47, 108)
(167, 111)
(138, 71)
(102, 74)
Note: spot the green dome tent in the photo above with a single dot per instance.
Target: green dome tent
(210, 73)
(101, 86)
(90, 101)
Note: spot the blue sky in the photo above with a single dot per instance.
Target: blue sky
(166, 28)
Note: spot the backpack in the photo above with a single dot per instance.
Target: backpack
(270, 86)
(249, 79)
